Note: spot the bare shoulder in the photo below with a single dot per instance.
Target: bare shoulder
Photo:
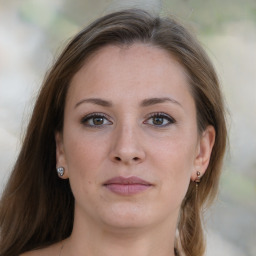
(31, 253)
(52, 250)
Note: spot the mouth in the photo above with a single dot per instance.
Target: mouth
(127, 186)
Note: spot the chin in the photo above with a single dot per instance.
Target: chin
(128, 217)
(126, 223)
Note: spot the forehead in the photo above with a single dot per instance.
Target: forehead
(142, 56)
(138, 71)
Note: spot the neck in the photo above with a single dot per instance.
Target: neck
(89, 239)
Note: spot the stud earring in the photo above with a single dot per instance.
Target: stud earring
(198, 178)
(60, 171)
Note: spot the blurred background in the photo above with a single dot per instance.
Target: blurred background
(33, 32)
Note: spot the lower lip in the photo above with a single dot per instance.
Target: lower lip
(127, 189)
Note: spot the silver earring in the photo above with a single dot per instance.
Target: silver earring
(60, 171)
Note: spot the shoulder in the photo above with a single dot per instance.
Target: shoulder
(31, 253)
(52, 250)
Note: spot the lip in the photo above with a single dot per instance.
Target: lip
(127, 186)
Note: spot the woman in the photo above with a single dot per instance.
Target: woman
(131, 116)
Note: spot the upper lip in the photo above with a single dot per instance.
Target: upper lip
(127, 181)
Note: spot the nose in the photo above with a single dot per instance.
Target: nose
(127, 147)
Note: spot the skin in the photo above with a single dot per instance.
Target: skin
(129, 141)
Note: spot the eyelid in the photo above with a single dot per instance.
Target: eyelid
(170, 119)
(92, 115)
(87, 117)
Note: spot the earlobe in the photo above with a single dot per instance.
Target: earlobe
(60, 156)
(205, 146)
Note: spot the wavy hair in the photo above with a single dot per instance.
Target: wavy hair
(37, 208)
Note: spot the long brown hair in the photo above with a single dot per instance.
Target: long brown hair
(37, 208)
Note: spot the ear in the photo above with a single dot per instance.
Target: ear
(60, 154)
(204, 150)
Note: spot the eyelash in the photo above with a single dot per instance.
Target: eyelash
(94, 115)
(170, 119)
(104, 116)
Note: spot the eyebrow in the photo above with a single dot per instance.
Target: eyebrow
(96, 101)
(144, 103)
(153, 101)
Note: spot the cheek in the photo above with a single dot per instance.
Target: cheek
(83, 165)
(82, 151)
(174, 160)
(175, 155)
(85, 159)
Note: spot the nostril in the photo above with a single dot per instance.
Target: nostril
(119, 159)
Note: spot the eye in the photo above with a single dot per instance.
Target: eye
(95, 120)
(160, 119)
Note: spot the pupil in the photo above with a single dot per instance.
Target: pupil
(98, 120)
(158, 120)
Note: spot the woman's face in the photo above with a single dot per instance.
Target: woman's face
(130, 144)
